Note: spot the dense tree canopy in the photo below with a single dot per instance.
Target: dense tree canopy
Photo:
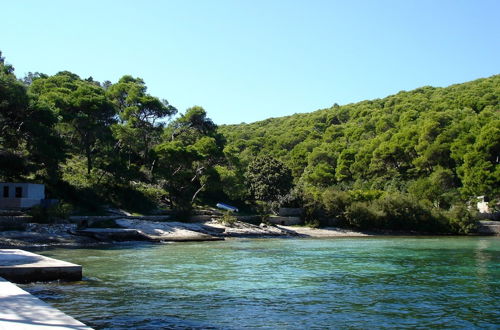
(433, 149)
(85, 111)
(93, 144)
(268, 179)
(190, 150)
(140, 116)
(395, 143)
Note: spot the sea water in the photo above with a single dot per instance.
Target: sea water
(439, 282)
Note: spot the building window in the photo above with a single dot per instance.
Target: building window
(6, 191)
(19, 192)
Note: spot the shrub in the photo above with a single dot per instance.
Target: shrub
(402, 212)
(313, 207)
(363, 215)
(364, 195)
(335, 202)
(264, 218)
(50, 214)
(228, 219)
(461, 220)
(315, 223)
(394, 211)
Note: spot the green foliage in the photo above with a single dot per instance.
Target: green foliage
(140, 119)
(394, 211)
(402, 162)
(268, 179)
(233, 182)
(28, 142)
(188, 157)
(439, 188)
(50, 214)
(461, 219)
(335, 202)
(444, 140)
(96, 144)
(363, 215)
(228, 219)
(85, 112)
(314, 223)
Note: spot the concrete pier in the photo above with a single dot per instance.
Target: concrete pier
(20, 266)
(20, 310)
(489, 228)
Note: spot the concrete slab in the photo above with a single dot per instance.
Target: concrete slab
(20, 266)
(489, 228)
(20, 310)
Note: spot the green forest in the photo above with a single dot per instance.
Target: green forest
(410, 161)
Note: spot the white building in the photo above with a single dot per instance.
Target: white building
(20, 195)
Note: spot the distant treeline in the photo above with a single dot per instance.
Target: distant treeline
(437, 143)
(434, 147)
(363, 164)
(96, 144)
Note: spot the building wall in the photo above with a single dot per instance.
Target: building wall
(31, 195)
(10, 202)
(286, 221)
(35, 191)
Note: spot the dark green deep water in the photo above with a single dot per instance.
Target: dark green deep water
(444, 282)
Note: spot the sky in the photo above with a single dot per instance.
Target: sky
(245, 61)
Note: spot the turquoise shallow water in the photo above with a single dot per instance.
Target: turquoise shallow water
(444, 282)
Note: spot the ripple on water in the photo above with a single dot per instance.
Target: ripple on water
(292, 284)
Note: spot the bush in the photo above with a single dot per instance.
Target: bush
(130, 198)
(374, 209)
(364, 195)
(363, 215)
(228, 219)
(335, 202)
(461, 220)
(264, 218)
(394, 211)
(315, 223)
(50, 214)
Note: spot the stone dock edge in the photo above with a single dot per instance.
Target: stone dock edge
(21, 310)
(21, 266)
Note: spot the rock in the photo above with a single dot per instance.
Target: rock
(117, 211)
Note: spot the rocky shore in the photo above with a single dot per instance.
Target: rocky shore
(71, 235)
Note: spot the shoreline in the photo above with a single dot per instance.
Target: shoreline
(130, 230)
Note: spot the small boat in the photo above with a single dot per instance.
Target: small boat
(227, 207)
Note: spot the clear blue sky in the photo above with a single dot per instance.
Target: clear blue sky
(249, 60)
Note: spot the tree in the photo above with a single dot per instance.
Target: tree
(28, 141)
(86, 114)
(437, 188)
(480, 171)
(268, 179)
(187, 157)
(13, 105)
(140, 118)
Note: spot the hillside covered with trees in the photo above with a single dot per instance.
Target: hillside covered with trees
(95, 144)
(409, 161)
(434, 147)
(400, 142)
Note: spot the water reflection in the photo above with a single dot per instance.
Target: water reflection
(292, 284)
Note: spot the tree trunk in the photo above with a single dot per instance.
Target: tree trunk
(197, 192)
(89, 159)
